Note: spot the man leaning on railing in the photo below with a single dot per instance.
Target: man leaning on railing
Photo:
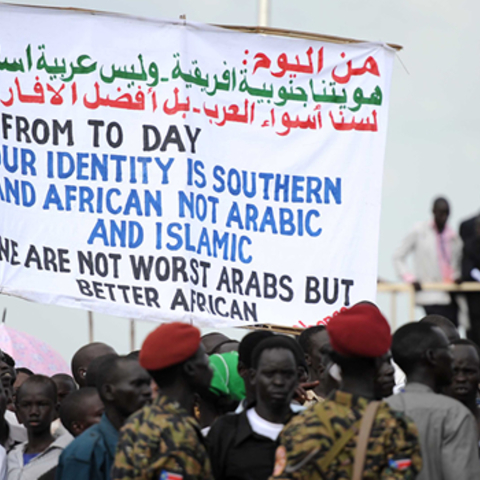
(436, 250)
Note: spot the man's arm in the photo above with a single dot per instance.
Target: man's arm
(219, 440)
(457, 248)
(70, 466)
(401, 254)
(302, 442)
(181, 452)
(468, 264)
(3, 463)
(460, 447)
(404, 457)
(184, 464)
(466, 229)
(171, 455)
(124, 465)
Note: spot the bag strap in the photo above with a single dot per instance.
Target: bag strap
(362, 442)
(339, 445)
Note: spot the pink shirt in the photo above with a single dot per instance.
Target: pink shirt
(444, 252)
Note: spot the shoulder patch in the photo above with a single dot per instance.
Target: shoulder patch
(400, 464)
(165, 475)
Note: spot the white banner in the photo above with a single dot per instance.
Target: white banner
(170, 171)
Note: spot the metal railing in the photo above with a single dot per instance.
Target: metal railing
(395, 288)
(382, 287)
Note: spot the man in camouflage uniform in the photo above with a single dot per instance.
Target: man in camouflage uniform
(320, 443)
(163, 441)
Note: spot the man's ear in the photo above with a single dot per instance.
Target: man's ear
(56, 409)
(430, 357)
(19, 416)
(308, 359)
(82, 372)
(253, 376)
(108, 392)
(242, 370)
(378, 363)
(188, 369)
(77, 428)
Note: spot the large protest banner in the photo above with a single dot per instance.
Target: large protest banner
(177, 171)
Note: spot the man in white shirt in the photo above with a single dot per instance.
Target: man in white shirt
(436, 250)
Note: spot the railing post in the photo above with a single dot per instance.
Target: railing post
(412, 303)
(90, 326)
(132, 335)
(393, 310)
(395, 288)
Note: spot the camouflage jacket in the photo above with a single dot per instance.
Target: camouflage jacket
(393, 450)
(161, 441)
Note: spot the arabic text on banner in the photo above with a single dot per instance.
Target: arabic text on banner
(169, 171)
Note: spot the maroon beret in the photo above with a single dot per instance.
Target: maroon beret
(169, 344)
(360, 331)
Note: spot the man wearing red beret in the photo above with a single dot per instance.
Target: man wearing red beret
(334, 439)
(163, 441)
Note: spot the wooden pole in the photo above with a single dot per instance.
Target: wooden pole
(412, 303)
(132, 335)
(393, 311)
(90, 326)
(263, 13)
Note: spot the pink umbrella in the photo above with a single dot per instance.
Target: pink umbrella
(28, 351)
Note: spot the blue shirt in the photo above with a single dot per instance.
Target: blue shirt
(90, 456)
(27, 457)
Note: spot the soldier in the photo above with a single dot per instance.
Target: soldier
(163, 441)
(323, 441)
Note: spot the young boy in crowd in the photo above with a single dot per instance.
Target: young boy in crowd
(124, 387)
(36, 406)
(81, 409)
(65, 384)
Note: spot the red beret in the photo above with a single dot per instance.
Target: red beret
(169, 344)
(360, 331)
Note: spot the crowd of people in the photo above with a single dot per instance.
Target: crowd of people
(343, 401)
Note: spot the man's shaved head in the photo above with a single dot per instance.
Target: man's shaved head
(80, 410)
(95, 368)
(444, 324)
(82, 358)
(212, 341)
(65, 385)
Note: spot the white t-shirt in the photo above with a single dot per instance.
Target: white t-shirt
(263, 427)
(3, 463)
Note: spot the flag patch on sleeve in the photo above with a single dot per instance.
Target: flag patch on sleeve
(400, 464)
(170, 476)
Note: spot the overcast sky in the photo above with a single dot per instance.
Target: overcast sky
(432, 144)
